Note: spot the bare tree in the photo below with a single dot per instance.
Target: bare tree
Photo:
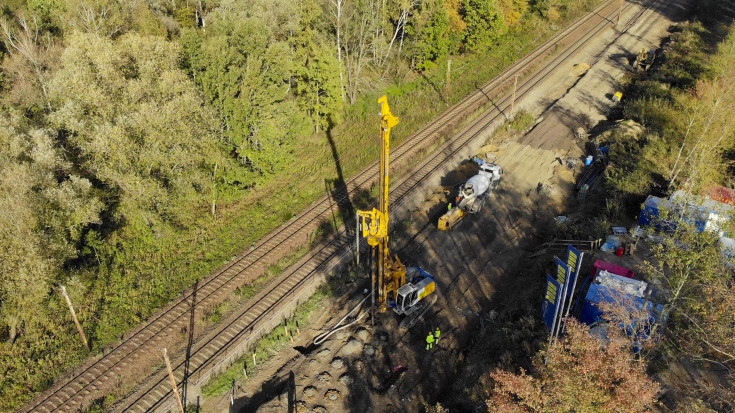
(709, 127)
(103, 18)
(357, 54)
(400, 28)
(25, 39)
(338, 7)
(690, 124)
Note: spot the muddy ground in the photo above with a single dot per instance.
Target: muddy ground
(486, 282)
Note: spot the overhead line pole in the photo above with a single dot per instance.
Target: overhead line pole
(74, 316)
(449, 79)
(513, 102)
(174, 387)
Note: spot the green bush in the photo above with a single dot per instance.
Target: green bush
(522, 121)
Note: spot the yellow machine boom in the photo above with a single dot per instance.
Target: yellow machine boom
(391, 272)
(406, 297)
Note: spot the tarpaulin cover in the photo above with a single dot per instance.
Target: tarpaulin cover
(599, 293)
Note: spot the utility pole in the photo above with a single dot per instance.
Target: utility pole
(174, 387)
(214, 192)
(513, 102)
(357, 241)
(449, 78)
(74, 316)
(620, 11)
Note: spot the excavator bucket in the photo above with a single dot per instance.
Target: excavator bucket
(450, 219)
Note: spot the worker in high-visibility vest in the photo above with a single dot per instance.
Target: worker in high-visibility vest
(429, 341)
(437, 333)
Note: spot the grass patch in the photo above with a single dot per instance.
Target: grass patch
(522, 121)
(215, 315)
(267, 347)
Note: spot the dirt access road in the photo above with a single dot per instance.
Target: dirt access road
(480, 266)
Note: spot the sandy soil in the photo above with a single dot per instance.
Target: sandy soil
(479, 265)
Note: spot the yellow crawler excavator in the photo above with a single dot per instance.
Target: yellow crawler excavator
(403, 289)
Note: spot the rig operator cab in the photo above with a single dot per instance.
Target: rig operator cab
(420, 285)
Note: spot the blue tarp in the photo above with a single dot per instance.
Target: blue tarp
(703, 213)
(599, 293)
(651, 211)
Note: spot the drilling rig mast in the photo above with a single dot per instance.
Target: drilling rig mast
(390, 274)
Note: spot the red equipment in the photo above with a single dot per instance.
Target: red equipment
(615, 269)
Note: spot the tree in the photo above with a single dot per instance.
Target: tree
(398, 18)
(337, 11)
(132, 118)
(47, 12)
(25, 274)
(696, 289)
(457, 24)
(30, 49)
(319, 87)
(245, 68)
(358, 46)
(105, 18)
(113, 18)
(708, 127)
(45, 209)
(580, 374)
(485, 23)
(318, 83)
(513, 10)
(547, 8)
(430, 30)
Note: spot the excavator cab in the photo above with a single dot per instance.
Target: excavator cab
(405, 300)
(409, 295)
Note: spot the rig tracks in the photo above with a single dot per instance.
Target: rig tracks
(102, 374)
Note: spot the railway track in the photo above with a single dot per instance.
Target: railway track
(73, 391)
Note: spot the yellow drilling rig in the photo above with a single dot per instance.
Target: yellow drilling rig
(398, 287)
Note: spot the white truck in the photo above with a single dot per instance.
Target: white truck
(472, 194)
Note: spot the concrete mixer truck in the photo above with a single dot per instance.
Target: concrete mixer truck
(472, 194)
